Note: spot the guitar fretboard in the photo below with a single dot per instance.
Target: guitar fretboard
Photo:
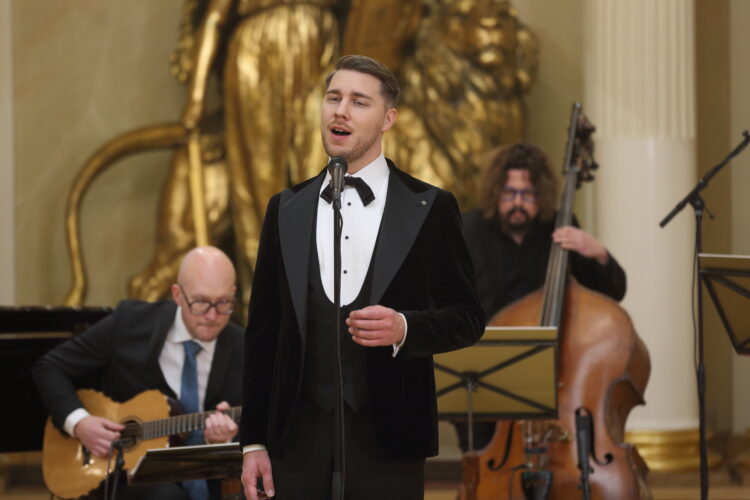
(174, 425)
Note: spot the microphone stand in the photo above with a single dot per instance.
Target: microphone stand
(698, 204)
(119, 463)
(338, 410)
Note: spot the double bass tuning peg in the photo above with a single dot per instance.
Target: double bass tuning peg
(590, 166)
(584, 128)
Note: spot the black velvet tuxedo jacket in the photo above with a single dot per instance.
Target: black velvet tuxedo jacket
(124, 348)
(421, 268)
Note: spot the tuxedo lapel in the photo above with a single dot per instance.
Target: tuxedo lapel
(296, 217)
(405, 212)
(156, 342)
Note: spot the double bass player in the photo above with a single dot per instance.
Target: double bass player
(510, 236)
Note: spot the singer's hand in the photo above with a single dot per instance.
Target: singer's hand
(97, 434)
(376, 326)
(257, 465)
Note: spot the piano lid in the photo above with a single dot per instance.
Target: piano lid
(26, 333)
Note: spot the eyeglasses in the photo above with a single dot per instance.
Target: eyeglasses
(509, 194)
(201, 307)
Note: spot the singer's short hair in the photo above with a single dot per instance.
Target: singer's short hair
(520, 156)
(389, 87)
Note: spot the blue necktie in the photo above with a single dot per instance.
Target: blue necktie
(197, 490)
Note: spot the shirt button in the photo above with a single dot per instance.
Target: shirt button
(349, 203)
(346, 237)
(344, 271)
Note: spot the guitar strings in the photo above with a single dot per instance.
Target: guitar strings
(172, 425)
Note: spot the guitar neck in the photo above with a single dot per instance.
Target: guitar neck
(180, 424)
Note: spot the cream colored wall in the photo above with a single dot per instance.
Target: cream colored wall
(712, 139)
(560, 79)
(7, 229)
(559, 84)
(740, 179)
(84, 72)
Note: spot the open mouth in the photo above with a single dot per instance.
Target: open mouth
(340, 132)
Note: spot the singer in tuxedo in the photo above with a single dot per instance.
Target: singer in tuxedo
(407, 292)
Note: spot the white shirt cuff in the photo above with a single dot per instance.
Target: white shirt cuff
(73, 418)
(397, 347)
(252, 447)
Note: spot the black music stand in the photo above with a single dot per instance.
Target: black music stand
(727, 279)
(510, 373)
(184, 463)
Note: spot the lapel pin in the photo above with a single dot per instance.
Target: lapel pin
(423, 203)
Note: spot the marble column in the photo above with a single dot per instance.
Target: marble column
(639, 91)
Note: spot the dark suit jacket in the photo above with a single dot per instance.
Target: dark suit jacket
(124, 347)
(421, 268)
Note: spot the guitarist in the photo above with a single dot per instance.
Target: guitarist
(510, 236)
(140, 347)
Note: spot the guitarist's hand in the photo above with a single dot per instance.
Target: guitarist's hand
(97, 434)
(256, 465)
(220, 428)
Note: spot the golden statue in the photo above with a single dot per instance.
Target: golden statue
(270, 57)
(462, 92)
(249, 128)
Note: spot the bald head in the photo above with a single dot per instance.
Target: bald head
(206, 274)
(206, 264)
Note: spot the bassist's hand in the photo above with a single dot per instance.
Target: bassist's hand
(97, 434)
(578, 240)
(257, 465)
(220, 428)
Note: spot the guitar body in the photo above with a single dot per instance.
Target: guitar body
(70, 471)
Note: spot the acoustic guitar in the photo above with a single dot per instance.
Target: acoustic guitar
(71, 471)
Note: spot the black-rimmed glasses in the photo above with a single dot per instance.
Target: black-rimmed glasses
(200, 307)
(509, 194)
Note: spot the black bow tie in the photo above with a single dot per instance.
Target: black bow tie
(364, 191)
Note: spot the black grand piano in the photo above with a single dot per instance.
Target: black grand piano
(25, 334)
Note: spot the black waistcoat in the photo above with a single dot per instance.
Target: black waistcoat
(318, 382)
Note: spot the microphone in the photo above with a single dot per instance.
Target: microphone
(584, 435)
(337, 167)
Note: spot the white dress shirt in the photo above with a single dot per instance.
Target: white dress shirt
(171, 359)
(360, 228)
(360, 231)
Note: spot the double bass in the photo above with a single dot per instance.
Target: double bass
(603, 369)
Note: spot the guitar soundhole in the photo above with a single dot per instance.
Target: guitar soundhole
(129, 436)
